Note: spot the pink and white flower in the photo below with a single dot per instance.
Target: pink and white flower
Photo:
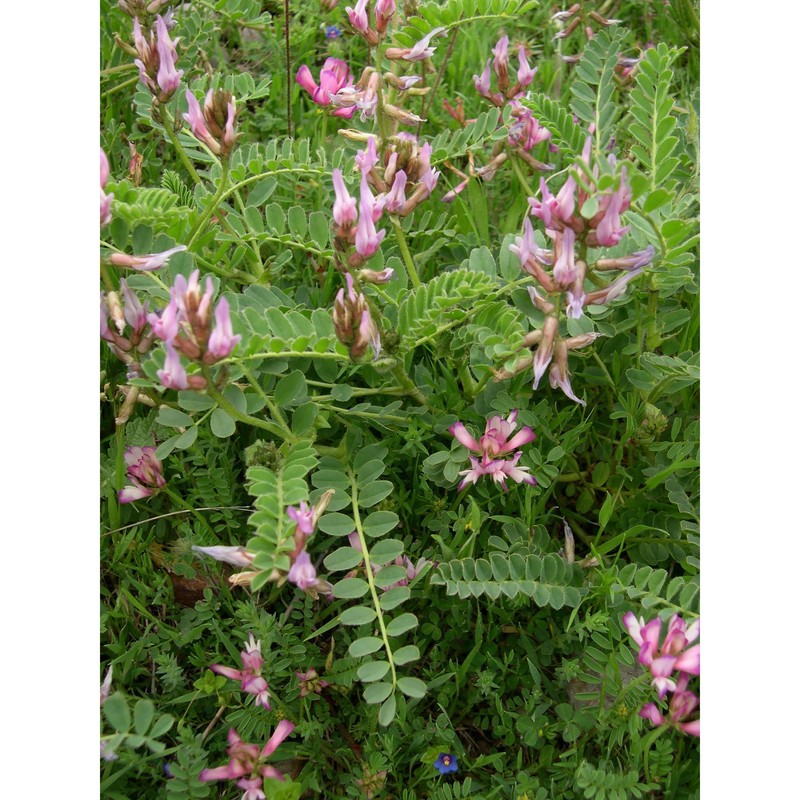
(250, 674)
(145, 473)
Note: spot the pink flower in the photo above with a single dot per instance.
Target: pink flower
(358, 16)
(169, 79)
(367, 158)
(368, 240)
(500, 52)
(681, 705)
(105, 170)
(384, 11)
(144, 471)
(525, 248)
(249, 760)
(173, 375)
(165, 325)
(344, 206)
(525, 74)
(105, 199)
(483, 82)
(396, 199)
(197, 123)
(222, 340)
(564, 270)
(495, 442)
(250, 674)
(334, 76)
(559, 376)
(544, 352)
(145, 263)
(371, 276)
(105, 686)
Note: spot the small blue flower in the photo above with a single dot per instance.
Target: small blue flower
(446, 763)
(332, 32)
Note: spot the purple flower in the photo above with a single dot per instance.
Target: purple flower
(148, 262)
(173, 375)
(614, 289)
(396, 198)
(302, 574)
(332, 32)
(197, 123)
(564, 269)
(525, 74)
(303, 516)
(144, 471)
(222, 340)
(446, 762)
(483, 82)
(681, 705)
(500, 52)
(367, 158)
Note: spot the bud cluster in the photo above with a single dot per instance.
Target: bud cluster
(213, 123)
(126, 312)
(382, 14)
(185, 328)
(353, 322)
(156, 61)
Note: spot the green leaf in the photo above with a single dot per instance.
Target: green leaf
(303, 418)
(380, 522)
(365, 646)
(385, 551)
(222, 424)
(372, 671)
(336, 524)
(318, 228)
(412, 687)
(173, 418)
(377, 692)
(117, 712)
(405, 654)
(297, 222)
(343, 559)
(360, 615)
(161, 726)
(388, 710)
(401, 624)
(194, 401)
(291, 389)
(143, 713)
(374, 492)
(260, 193)
(394, 597)
(187, 438)
(350, 588)
(389, 575)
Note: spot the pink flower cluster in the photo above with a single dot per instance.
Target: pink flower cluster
(185, 328)
(250, 674)
(302, 572)
(156, 62)
(491, 447)
(672, 656)
(246, 765)
(145, 473)
(525, 75)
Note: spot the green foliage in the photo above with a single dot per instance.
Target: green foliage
(602, 782)
(547, 580)
(454, 13)
(275, 490)
(593, 89)
(564, 133)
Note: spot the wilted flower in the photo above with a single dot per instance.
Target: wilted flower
(105, 199)
(145, 263)
(246, 765)
(250, 674)
(310, 682)
(144, 471)
(213, 124)
(446, 762)
(421, 50)
(236, 556)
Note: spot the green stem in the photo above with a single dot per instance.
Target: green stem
(169, 126)
(522, 179)
(370, 577)
(212, 206)
(118, 68)
(407, 260)
(226, 406)
(119, 87)
(408, 385)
